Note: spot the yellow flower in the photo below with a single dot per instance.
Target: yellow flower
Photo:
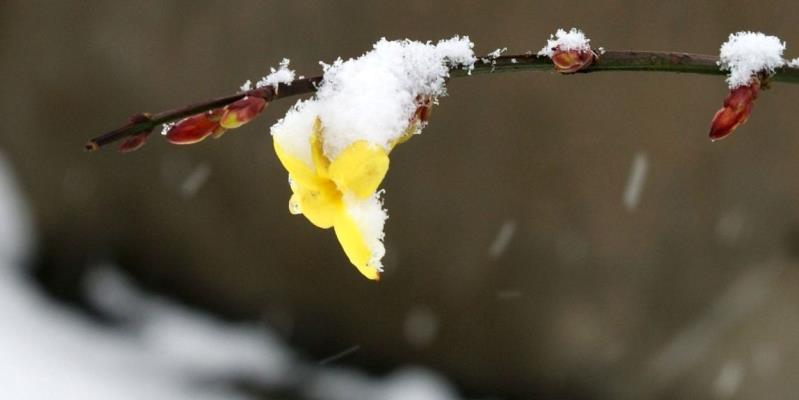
(338, 193)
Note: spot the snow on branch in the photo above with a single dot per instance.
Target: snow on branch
(574, 39)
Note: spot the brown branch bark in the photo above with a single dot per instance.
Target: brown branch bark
(608, 61)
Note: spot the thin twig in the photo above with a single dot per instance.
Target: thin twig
(607, 61)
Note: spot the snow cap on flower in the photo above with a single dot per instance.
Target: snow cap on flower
(574, 39)
(745, 54)
(335, 145)
(371, 97)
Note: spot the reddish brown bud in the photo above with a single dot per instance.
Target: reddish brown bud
(192, 129)
(242, 111)
(736, 110)
(423, 109)
(134, 142)
(215, 114)
(571, 61)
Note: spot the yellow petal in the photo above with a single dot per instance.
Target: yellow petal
(321, 162)
(354, 244)
(360, 168)
(297, 169)
(407, 135)
(320, 205)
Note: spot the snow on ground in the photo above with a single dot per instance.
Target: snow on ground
(163, 352)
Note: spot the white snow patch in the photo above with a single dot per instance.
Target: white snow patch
(370, 217)
(574, 39)
(745, 54)
(409, 383)
(496, 53)
(246, 86)
(277, 76)
(189, 343)
(635, 182)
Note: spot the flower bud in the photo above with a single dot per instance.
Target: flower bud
(423, 109)
(192, 129)
(242, 111)
(736, 110)
(134, 142)
(571, 61)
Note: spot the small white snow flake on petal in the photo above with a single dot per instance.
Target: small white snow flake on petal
(745, 54)
(277, 76)
(574, 39)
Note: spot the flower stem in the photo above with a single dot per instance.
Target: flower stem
(607, 61)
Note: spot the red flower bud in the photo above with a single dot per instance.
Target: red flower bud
(571, 61)
(192, 129)
(242, 111)
(736, 110)
(134, 142)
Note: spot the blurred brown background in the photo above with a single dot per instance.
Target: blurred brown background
(693, 293)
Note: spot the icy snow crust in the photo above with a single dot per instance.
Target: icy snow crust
(574, 39)
(745, 54)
